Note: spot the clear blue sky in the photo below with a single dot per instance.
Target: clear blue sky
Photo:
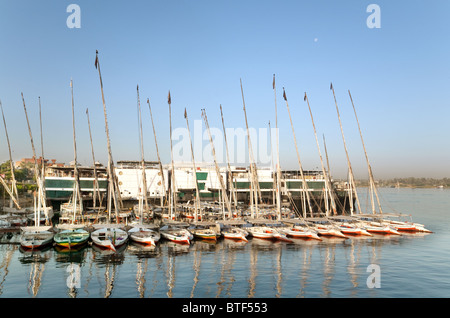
(399, 77)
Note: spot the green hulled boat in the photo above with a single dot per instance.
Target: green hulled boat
(71, 238)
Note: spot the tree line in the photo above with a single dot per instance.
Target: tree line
(410, 182)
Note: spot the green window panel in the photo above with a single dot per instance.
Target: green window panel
(202, 176)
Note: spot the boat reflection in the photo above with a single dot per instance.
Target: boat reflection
(37, 260)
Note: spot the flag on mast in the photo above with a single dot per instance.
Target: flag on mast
(169, 100)
(284, 95)
(96, 58)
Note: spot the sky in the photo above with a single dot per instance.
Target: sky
(398, 74)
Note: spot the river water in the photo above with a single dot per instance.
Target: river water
(406, 266)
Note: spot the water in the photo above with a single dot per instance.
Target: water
(410, 266)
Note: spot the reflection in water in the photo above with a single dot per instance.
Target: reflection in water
(257, 268)
(4, 265)
(307, 255)
(110, 260)
(196, 267)
(37, 260)
(328, 269)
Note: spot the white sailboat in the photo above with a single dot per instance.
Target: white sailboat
(348, 226)
(109, 236)
(388, 226)
(37, 236)
(234, 233)
(298, 228)
(176, 233)
(143, 233)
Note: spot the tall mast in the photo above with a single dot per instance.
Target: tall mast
(41, 203)
(219, 176)
(228, 161)
(274, 182)
(15, 195)
(172, 184)
(372, 181)
(304, 184)
(197, 194)
(327, 184)
(332, 193)
(76, 194)
(350, 170)
(278, 187)
(157, 153)
(253, 172)
(144, 176)
(44, 196)
(96, 187)
(112, 184)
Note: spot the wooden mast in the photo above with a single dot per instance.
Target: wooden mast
(144, 175)
(255, 191)
(159, 159)
(15, 196)
(219, 176)
(172, 184)
(304, 183)
(372, 181)
(278, 187)
(327, 183)
(332, 193)
(76, 192)
(44, 194)
(350, 170)
(197, 208)
(274, 181)
(95, 187)
(230, 174)
(112, 184)
(41, 203)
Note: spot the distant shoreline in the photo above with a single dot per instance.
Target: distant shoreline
(425, 183)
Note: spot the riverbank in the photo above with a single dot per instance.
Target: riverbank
(421, 183)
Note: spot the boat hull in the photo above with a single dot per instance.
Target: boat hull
(299, 233)
(267, 233)
(109, 238)
(36, 240)
(176, 237)
(144, 236)
(71, 238)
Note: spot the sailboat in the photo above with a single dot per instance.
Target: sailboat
(37, 236)
(202, 231)
(370, 226)
(72, 235)
(140, 233)
(377, 218)
(176, 233)
(234, 233)
(109, 236)
(144, 234)
(265, 229)
(349, 226)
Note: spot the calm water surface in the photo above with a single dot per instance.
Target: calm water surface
(415, 265)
